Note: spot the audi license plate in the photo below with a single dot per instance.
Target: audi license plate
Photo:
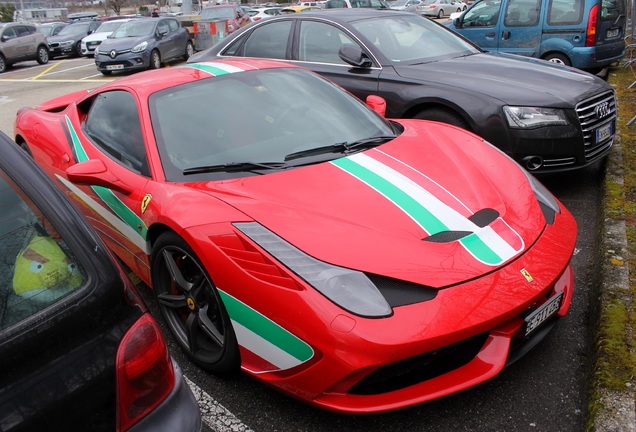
(604, 132)
(541, 315)
(612, 33)
(114, 67)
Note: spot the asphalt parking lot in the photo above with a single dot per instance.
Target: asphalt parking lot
(545, 391)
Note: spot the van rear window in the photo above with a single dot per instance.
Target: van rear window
(611, 9)
(567, 12)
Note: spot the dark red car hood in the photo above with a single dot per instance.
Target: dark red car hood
(377, 210)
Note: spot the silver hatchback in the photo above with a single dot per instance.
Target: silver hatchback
(21, 42)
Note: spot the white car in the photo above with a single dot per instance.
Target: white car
(93, 40)
(267, 12)
(440, 8)
(405, 5)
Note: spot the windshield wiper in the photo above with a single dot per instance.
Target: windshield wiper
(342, 147)
(236, 166)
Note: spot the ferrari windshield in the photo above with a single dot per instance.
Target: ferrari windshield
(231, 125)
(413, 39)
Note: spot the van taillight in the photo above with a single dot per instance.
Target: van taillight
(590, 35)
(145, 375)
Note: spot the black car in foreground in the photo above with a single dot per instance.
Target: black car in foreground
(547, 117)
(78, 348)
(69, 40)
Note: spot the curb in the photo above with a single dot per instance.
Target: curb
(612, 407)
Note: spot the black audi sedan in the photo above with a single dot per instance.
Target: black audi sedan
(78, 348)
(547, 117)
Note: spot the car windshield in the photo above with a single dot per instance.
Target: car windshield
(46, 30)
(413, 39)
(266, 117)
(217, 13)
(37, 268)
(109, 26)
(135, 29)
(75, 29)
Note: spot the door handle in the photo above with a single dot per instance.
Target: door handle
(490, 34)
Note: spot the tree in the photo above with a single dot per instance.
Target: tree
(116, 5)
(6, 12)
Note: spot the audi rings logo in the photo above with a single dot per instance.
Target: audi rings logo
(602, 110)
(113, 54)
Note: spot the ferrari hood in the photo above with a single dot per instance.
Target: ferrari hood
(423, 207)
(515, 84)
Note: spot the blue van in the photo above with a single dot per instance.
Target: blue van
(586, 34)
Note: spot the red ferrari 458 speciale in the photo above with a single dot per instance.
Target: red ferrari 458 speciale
(357, 263)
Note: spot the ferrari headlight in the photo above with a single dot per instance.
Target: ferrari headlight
(141, 47)
(350, 289)
(548, 203)
(534, 117)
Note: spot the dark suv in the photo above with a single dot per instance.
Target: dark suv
(21, 42)
(78, 348)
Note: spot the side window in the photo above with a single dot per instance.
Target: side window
(163, 28)
(522, 13)
(9, 33)
(174, 25)
(22, 31)
(36, 266)
(269, 41)
(483, 14)
(113, 125)
(320, 42)
(565, 13)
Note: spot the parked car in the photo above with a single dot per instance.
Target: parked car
(263, 13)
(143, 44)
(587, 34)
(439, 8)
(234, 15)
(350, 4)
(78, 348)
(69, 40)
(295, 9)
(405, 5)
(92, 41)
(21, 42)
(51, 28)
(357, 293)
(546, 116)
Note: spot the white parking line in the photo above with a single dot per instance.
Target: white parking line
(215, 415)
(5, 99)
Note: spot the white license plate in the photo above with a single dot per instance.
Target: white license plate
(114, 67)
(546, 311)
(612, 33)
(604, 132)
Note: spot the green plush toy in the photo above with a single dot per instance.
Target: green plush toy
(43, 272)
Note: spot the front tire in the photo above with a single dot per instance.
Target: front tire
(440, 14)
(43, 55)
(3, 64)
(192, 307)
(155, 60)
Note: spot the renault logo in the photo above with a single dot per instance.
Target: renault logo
(113, 54)
(602, 110)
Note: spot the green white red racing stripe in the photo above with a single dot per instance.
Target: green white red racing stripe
(431, 206)
(215, 69)
(274, 347)
(118, 214)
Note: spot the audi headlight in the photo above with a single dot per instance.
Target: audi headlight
(141, 47)
(350, 289)
(533, 117)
